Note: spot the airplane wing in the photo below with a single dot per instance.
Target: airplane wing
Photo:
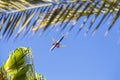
(62, 45)
(53, 40)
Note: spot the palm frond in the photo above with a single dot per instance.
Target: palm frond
(18, 16)
(19, 66)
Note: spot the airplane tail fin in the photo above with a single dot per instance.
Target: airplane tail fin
(65, 35)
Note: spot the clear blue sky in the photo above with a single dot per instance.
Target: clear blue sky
(84, 58)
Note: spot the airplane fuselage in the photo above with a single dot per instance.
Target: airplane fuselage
(56, 44)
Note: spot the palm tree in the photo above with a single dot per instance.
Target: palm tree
(19, 66)
(18, 16)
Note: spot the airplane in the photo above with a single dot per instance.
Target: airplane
(56, 44)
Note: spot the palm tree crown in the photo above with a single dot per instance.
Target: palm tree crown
(19, 66)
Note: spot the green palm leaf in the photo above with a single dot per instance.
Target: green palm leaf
(19, 66)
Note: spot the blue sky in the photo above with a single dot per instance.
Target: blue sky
(83, 58)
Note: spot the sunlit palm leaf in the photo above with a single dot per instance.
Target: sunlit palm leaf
(19, 16)
(19, 66)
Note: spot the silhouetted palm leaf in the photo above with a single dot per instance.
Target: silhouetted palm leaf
(17, 16)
